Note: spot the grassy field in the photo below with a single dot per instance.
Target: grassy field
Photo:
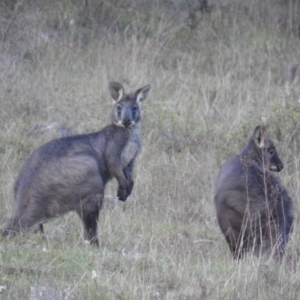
(211, 85)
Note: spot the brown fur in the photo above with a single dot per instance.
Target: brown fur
(253, 209)
(70, 173)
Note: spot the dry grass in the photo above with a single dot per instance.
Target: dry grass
(210, 87)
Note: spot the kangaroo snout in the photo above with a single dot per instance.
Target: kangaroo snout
(280, 167)
(126, 122)
(276, 167)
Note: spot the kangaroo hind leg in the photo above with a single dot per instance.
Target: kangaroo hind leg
(89, 214)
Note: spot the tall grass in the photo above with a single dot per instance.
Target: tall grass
(210, 87)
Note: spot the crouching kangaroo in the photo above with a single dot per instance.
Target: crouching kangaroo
(70, 173)
(254, 210)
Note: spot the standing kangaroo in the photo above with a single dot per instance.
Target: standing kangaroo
(70, 173)
(254, 210)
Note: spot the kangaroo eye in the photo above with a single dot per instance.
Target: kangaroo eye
(271, 151)
(134, 107)
(119, 107)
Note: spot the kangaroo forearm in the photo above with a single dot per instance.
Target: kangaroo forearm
(122, 180)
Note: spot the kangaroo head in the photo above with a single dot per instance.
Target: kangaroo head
(126, 110)
(267, 153)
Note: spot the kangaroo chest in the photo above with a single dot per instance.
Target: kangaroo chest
(131, 148)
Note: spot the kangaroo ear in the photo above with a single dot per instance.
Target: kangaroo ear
(259, 135)
(116, 90)
(141, 94)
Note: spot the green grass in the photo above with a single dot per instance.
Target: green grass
(211, 86)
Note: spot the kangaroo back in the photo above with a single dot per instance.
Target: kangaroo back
(254, 210)
(70, 173)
